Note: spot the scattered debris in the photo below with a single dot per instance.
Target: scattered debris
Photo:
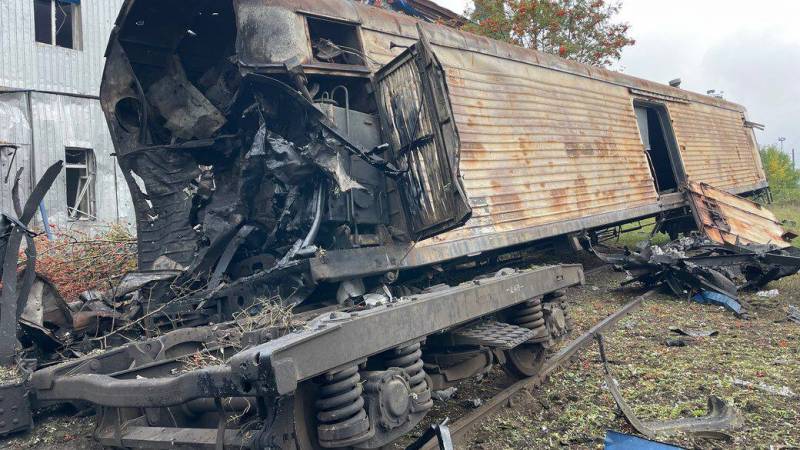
(772, 293)
(694, 333)
(720, 417)
(783, 391)
(444, 394)
(697, 268)
(675, 343)
(794, 314)
(715, 298)
(473, 403)
(740, 245)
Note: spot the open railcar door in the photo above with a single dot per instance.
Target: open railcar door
(417, 119)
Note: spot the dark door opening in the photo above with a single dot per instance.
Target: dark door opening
(656, 143)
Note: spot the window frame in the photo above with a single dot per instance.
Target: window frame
(76, 24)
(88, 190)
(356, 26)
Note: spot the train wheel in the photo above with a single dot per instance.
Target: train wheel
(305, 416)
(525, 360)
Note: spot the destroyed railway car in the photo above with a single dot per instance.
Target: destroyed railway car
(262, 124)
(341, 160)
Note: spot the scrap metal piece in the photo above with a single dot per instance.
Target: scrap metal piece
(694, 333)
(439, 431)
(729, 219)
(10, 297)
(720, 417)
(622, 441)
(188, 113)
(715, 298)
(794, 314)
(15, 409)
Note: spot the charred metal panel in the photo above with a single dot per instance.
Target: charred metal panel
(729, 219)
(716, 147)
(418, 120)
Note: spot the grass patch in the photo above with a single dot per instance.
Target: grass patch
(786, 206)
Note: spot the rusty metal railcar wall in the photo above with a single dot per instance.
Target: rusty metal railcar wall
(541, 146)
(545, 140)
(715, 147)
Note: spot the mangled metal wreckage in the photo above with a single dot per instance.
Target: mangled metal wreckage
(377, 176)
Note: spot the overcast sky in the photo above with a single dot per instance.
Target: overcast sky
(749, 50)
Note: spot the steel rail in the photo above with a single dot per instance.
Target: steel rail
(460, 428)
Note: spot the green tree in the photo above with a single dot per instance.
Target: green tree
(781, 175)
(581, 30)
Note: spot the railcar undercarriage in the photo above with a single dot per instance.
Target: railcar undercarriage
(286, 386)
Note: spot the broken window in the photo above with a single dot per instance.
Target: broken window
(657, 138)
(57, 22)
(80, 171)
(335, 42)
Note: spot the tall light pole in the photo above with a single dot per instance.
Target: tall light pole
(781, 140)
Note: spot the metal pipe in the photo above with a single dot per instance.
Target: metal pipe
(312, 233)
(346, 105)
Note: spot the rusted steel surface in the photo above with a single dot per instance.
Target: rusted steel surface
(547, 141)
(729, 219)
(716, 147)
(540, 146)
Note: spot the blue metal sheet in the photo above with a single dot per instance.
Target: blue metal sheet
(620, 441)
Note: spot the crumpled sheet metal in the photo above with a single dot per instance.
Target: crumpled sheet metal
(721, 416)
(695, 264)
(729, 219)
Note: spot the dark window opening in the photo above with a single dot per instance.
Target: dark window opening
(57, 22)
(335, 42)
(656, 145)
(43, 20)
(80, 172)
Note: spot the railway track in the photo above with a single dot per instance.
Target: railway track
(459, 429)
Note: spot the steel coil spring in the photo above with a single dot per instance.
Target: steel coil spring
(409, 358)
(529, 315)
(340, 408)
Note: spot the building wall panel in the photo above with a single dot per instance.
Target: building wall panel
(60, 122)
(15, 130)
(27, 64)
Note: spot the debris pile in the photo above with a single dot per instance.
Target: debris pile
(739, 245)
(695, 265)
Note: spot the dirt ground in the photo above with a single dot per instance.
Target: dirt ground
(573, 408)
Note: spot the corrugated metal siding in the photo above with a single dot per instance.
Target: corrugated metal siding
(14, 129)
(716, 147)
(26, 64)
(728, 219)
(541, 147)
(60, 122)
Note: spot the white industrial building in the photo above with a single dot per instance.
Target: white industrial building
(51, 63)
